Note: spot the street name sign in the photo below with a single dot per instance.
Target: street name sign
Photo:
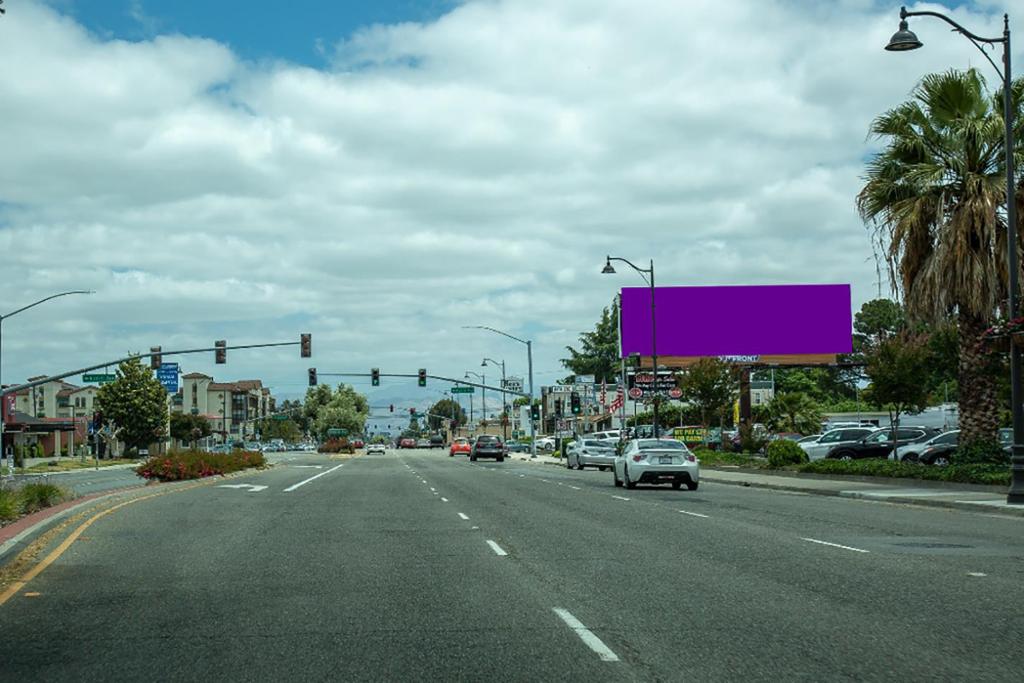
(463, 390)
(99, 377)
(337, 432)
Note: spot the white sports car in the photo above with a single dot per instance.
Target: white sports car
(656, 461)
(375, 448)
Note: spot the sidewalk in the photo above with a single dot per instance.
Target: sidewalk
(906, 491)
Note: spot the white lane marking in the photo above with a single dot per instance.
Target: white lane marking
(315, 476)
(432, 488)
(976, 574)
(474, 527)
(522, 475)
(620, 498)
(464, 516)
(497, 549)
(575, 488)
(444, 499)
(835, 545)
(545, 481)
(693, 514)
(252, 487)
(309, 467)
(586, 635)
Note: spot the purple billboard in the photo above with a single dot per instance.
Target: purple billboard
(756, 320)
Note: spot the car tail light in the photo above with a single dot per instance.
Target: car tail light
(690, 457)
(637, 458)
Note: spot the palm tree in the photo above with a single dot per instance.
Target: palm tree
(935, 197)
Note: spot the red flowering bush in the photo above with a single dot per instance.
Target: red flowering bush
(336, 446)
(192, 464)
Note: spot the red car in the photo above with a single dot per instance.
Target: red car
(407, 443)
(358, 443)
(460, 445)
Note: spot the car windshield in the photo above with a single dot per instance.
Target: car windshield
(597, 443)
(487, 439)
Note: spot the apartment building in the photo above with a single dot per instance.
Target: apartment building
(233, 408)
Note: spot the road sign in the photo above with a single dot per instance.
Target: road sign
(100, 377)
(584, 379)
(280, 417)
(463, 390)
(167, 374)
(337, 432)
(513, 384)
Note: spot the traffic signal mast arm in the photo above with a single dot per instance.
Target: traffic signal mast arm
(54, 378)
(437, 377)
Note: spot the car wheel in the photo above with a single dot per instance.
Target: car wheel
(941, 461)
(568, 464)
(692, 485)
(472, 458)
(676, 484)
(630, 484)
(501, 458)
(846, 457)
(911, 457)
(615, 476)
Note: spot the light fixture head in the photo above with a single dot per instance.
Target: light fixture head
(903, 40)
(608, 270)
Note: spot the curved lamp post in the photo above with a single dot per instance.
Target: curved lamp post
(483, 364)
(483, 394)
(529, 369)
(648, 275)
(14, 313)
(903, 40)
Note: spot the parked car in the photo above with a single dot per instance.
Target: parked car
(487, 446)
(460, 445)
(584, 453)
(656, 461)
(358, 443)
(407, 443)
(517, 447)
(816, 450)
(606, 434)
(813, 438)
(376, 448)
(422, 443)
(879, 443)
(546, 443)
(912, 452)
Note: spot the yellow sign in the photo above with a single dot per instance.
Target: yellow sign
(736, 413)
(690, 435)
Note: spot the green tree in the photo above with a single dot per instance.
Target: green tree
(295, 412)
(897, 368)
(711, 386)
(286, 430)
(935, 196)
(448, 410)
(876, 321)
(316, 398)
(136, 404)
(187, 427)
(345, 409)
(794, 412)
(598, 354)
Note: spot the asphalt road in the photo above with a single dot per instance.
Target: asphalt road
(418, 566)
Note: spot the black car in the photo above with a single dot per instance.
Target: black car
(437, 441)
(935, 451)
(879, 443)
(487, 446)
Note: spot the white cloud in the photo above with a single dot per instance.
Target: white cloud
(473, 170)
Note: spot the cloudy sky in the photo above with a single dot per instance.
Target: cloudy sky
(381, 174)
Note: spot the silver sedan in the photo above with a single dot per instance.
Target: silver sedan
(583, 453)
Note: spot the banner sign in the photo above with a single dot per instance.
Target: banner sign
(691, 436)
(772, 320)
(513, 384)
(644, 385)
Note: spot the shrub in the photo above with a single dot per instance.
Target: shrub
(782, 452)
(36, 496)
(192, 464)
(342, 445)
(711, 457)
(978, 473)
(750, 442)
(10, 506)
(981, 453)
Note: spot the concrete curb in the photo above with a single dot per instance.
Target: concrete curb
(868, 495)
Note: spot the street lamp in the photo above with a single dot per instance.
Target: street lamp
(483, 394)
(904, 40)
(648, 275)
(483, 364)
(529, 366)
(14, 313)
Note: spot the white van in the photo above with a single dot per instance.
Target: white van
(609, 434)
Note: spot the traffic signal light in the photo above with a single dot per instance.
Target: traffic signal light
(312, 377)
(574, 402)
(375, 377)
(423, 377)
(306, 345)
(392, 407)
(154, 360)
(220, 354)
(558, 407)
(535, 412)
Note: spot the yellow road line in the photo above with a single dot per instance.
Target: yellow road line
(66, 543)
